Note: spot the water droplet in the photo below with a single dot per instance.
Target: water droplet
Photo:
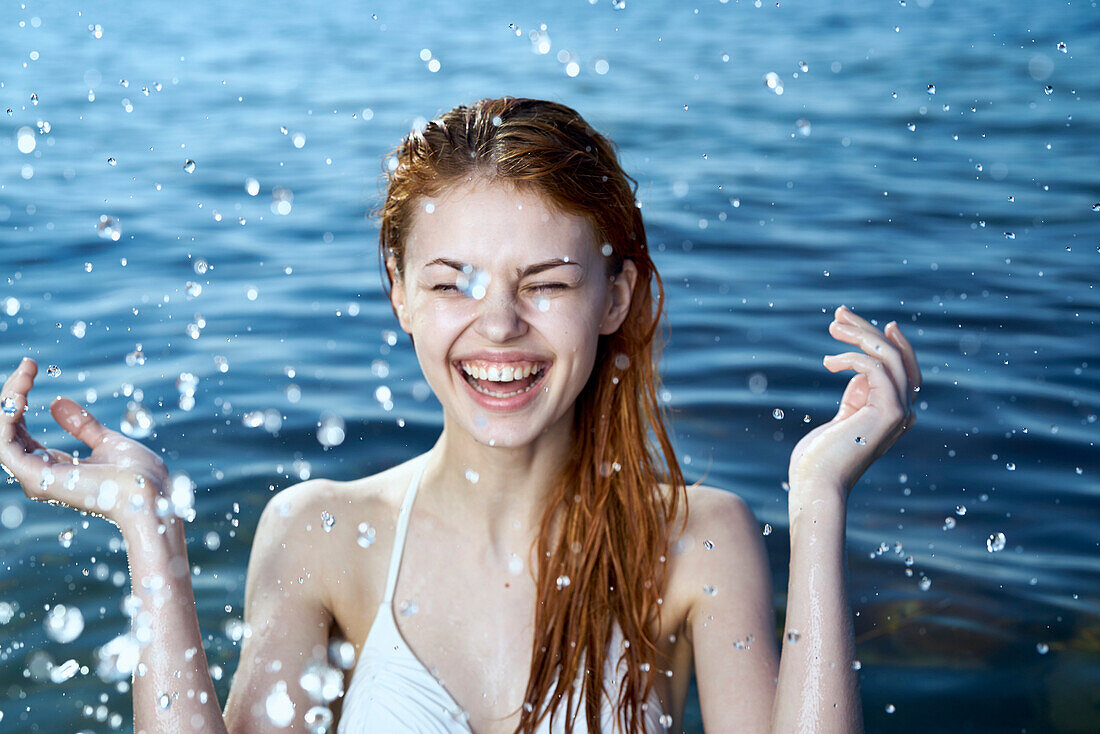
(64, 624)
(341, 653)
(181, 498)
(890, 708)
(472, 476)
(803, 66)
(773, 82)
(65, 537)
(408, 608)
(925, 583)
(189, 165)
(53, 371)
(777, 414)
(65, 671)
(117, 659)
(710, 590)
(1096, 207)
(803, 126)
(1042, 648)
(298, 139)
(767, 529)
(330, 430)
(282, 200)
(322, 682)
(318, 720)
(1048, 89)
(666, 721)
(931, 88)
(960, 510)
(948, 523)
(806, 419)
(995, 542)
(793, 636)
(135, 358)
(236, 630)
(11, 516)
(327, 521)
(8, 406)
(474, 282)
(279, 707)
(861, 440)
(108, 228)
(366, 535)
(1062, 47)
(912, 127)
(1010, 466)
(562, 582)
(708, 544)
(25, 140)
(622, 361)
(252, 186)
(856, 665)
(112, 162)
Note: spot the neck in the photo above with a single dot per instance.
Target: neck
(496, 494)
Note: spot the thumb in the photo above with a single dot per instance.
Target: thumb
(79, 422)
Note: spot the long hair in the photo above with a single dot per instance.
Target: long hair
(606, 530)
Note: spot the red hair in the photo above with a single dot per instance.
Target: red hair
(608, 522)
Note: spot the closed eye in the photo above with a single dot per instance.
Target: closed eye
(549, 287)
(445, 287)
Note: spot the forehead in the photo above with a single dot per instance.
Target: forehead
(473, 220)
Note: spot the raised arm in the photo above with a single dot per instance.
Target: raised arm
(124, 482)
(730, 621)
(818, 687)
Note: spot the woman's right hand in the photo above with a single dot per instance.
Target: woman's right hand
(120, 481)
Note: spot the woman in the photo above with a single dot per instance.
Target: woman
(551, 577)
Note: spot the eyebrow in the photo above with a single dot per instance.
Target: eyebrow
(529, 270)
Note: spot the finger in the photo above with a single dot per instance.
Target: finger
(79, 422)
(879, 378)
(845, 314)
(13, 397)
(876, 344)
(907, 354)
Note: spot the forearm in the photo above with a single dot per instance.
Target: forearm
(818, 689)
(172, 690)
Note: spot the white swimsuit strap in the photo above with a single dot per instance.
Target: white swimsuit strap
(402, 527)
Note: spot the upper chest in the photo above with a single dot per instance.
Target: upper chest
(466, 614)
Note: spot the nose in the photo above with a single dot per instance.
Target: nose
(500, 319)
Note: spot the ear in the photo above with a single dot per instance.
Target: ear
(622, 289)
(397, 294)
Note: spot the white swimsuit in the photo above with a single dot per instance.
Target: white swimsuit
(391, 692)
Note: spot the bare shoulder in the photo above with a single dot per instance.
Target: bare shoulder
(714, 514)
(319, 504)
(720, 548)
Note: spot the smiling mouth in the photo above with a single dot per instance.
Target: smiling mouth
(504, 389)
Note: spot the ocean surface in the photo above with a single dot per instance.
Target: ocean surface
(927, 161)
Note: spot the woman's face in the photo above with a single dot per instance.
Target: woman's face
(500, 284)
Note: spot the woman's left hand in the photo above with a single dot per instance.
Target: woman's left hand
(876, 408)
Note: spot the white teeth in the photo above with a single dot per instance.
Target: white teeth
(507, 373)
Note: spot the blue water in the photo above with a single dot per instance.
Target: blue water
(975, 229)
